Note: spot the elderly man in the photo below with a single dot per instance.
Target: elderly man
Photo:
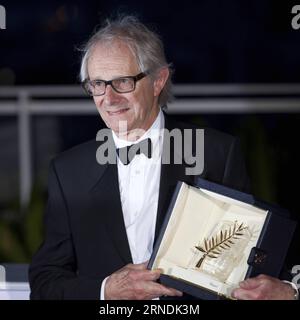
(102, 219)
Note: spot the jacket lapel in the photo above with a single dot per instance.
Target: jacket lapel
(170, 175)
(106, 201)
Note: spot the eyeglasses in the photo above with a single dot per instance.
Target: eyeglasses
(120, 85)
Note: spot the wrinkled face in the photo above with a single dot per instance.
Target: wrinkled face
(137, 109)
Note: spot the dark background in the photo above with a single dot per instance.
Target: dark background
(208, 41)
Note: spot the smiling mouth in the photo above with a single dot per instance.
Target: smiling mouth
(117, 112)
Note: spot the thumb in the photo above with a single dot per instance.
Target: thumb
(158, 271)
(145, 264)
(250, 283)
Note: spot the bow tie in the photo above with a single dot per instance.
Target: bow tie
(126, 154)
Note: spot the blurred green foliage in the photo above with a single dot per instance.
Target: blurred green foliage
(21, 231)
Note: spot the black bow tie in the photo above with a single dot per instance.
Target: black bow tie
(126, 154)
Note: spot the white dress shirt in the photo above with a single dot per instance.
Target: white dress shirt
(139, 191)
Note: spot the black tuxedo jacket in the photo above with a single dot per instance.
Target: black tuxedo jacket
(85, 236)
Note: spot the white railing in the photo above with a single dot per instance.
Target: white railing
(26, 101)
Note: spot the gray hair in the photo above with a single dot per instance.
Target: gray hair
(146, 46)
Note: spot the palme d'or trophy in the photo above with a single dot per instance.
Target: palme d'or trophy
(222, 252)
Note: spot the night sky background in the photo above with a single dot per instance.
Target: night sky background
(207, 41)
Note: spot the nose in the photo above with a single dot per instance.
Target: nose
(111, 96)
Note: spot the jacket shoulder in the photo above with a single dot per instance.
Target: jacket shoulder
(212, 135)
(78, 155)
(78, 166)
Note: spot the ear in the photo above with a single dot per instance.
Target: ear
(160, 81)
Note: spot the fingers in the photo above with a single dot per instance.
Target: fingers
(144, 275)
(262, 287)
(140, 272)
(155, 290)
(243, 294)
(136, 282)
(250, 283)
(250, 289)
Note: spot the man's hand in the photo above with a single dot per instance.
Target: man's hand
(263, 287)
(134, 281)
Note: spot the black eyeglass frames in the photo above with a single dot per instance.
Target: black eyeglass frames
(126, 84)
